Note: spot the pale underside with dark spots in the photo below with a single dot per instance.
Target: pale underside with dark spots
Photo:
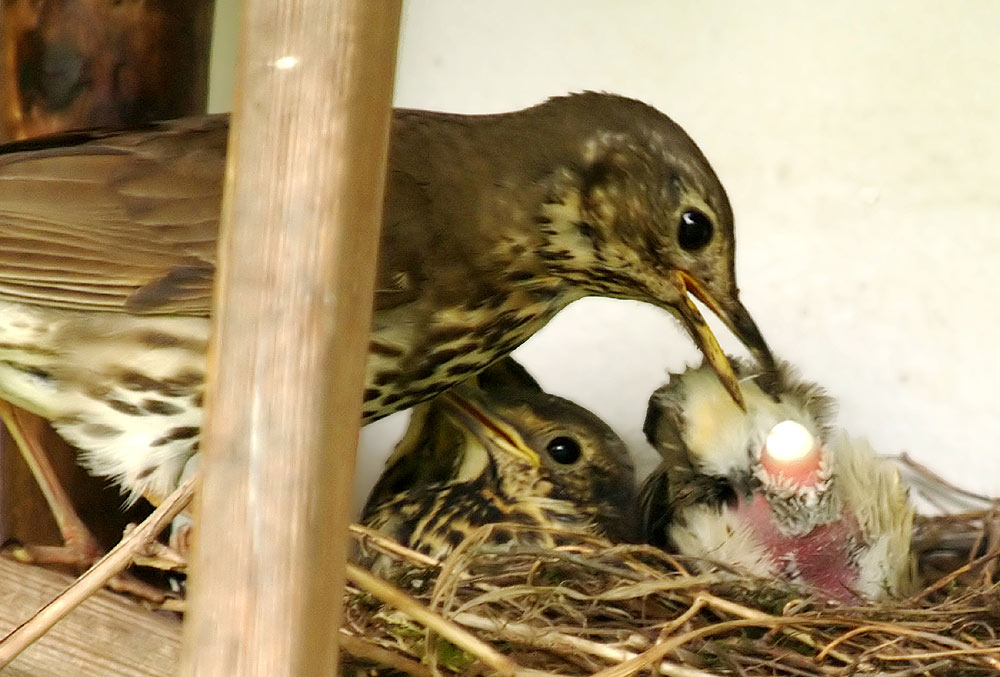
(455, 343)
(128, 390)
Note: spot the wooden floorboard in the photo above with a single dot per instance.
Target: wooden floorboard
(108, 636)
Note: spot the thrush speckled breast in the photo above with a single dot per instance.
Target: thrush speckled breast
(498, 449)
(492, 224)
(773, 489)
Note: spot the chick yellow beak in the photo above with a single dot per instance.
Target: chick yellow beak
(470, 413)
(735, 317)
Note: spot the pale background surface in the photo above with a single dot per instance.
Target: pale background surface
(860, 145)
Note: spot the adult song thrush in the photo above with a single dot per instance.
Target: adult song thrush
(492, 224)
(498, 449)
(773, 489)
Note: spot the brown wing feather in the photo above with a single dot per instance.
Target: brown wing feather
(114, 222)
(128, 221)
(405, 242)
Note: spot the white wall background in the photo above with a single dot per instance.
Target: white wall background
(860, 144)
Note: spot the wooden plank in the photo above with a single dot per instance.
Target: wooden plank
(294, 290)
(107, 635)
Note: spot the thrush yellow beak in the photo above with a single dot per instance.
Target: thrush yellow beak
(470, 413)
(735, 317)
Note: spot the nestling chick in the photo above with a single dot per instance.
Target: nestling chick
(773, 490)
(499, 449)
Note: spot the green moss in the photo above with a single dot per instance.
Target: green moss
(451, 657)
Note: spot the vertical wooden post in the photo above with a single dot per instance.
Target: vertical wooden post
(300, 229)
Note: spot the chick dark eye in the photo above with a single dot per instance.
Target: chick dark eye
(694, 230)
(564, 450)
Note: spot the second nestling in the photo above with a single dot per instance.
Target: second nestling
(499, 450)
(772, 490)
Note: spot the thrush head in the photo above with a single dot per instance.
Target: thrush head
(588, 194)
(498, 449)
(640, 214)
(774, 489)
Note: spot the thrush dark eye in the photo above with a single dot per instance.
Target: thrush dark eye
(564, 450)
(694, 230)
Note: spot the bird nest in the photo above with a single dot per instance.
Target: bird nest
(594, 608)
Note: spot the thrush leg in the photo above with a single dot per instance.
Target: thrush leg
(80, 548)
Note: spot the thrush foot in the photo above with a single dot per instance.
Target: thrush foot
(80, 557)
(79, 552)
(80, 548)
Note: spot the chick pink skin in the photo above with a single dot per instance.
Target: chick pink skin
(820, 559)
(818, 554)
